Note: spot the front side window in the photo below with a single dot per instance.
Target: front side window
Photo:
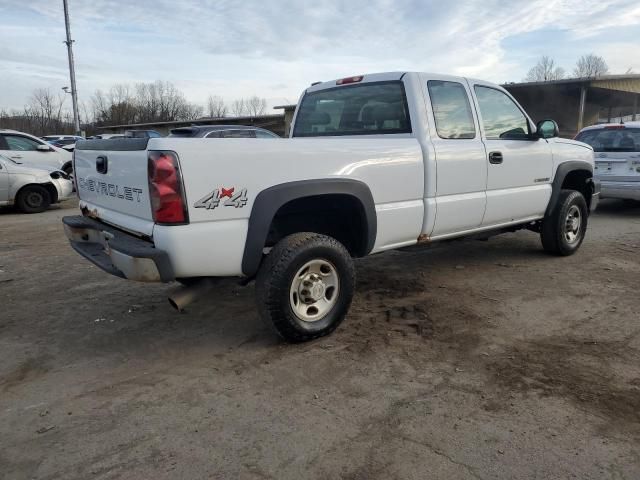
(612, 139)
(451, 110)
(24, 144)
(501, 117)
(364, 109)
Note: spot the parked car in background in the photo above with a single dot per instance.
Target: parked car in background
(31, 189)
(66, 142)
(142, 134)
(222, 131)
(28, 149)
(106, 136)
(62, 140)
(617, 157)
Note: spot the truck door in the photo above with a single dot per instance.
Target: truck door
(519, 165)
(461, 168)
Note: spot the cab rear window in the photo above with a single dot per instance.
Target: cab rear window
(612, 139)
(365, 109)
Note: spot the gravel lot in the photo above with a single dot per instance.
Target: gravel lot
(474, 360)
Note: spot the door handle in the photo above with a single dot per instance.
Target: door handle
(495, 158)
(102, 164)
(16, 156)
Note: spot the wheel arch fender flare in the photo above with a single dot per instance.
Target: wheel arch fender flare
(562, 171)
(269, 201)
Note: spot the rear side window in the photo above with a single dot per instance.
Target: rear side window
(451, 109)
(366, 109)
(501, 117)
(612, 139)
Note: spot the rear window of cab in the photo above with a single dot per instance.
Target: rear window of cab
(374, 108)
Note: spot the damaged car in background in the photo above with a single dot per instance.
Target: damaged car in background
(32, 189)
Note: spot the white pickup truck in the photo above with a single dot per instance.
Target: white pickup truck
(373, 162)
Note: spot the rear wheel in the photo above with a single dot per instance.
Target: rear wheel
(305, 286)
(563, 230)
(33, 199)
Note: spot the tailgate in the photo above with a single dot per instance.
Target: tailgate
(113, 184)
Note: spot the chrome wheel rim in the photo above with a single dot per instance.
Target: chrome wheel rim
(572, 225)
(314, 290)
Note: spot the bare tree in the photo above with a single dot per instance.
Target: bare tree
(143, 103)
(216, 107)
(238, 107)
(256, 106)
(544, 71)
(590, 65)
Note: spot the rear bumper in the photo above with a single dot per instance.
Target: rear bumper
(116, 252)
(625, 190)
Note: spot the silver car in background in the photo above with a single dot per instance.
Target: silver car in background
(617, 158)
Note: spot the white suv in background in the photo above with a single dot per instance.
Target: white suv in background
(28, 149)
(617, 157)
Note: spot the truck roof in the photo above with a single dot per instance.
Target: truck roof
(386, 76)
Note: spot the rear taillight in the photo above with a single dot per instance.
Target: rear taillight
(168, 202)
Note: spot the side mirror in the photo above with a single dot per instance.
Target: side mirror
(547, 129)
(44, 148)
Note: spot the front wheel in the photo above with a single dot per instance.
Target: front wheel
(305, 286)
(563, 230)
(33, 199)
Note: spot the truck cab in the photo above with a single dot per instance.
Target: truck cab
(486, 164)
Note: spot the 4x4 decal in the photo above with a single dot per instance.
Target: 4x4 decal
(213, 199)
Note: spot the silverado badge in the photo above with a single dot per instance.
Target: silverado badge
(233, 199)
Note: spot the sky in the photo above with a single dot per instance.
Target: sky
(276, 48)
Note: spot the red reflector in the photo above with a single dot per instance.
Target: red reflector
(614, 127)
(344, 81)
(168, 203)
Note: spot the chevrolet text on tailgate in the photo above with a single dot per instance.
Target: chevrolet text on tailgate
(374, 162)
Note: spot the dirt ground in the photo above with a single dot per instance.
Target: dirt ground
(474, 360)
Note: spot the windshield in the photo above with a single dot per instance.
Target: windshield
(612, 139)
(366, 109)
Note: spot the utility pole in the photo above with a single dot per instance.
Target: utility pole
(72, 70)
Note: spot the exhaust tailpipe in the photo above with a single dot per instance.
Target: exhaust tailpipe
(180, 297)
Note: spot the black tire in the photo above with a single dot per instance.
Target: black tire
(555, 233)
(275, 280)
(68, 168)
(33, 199)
